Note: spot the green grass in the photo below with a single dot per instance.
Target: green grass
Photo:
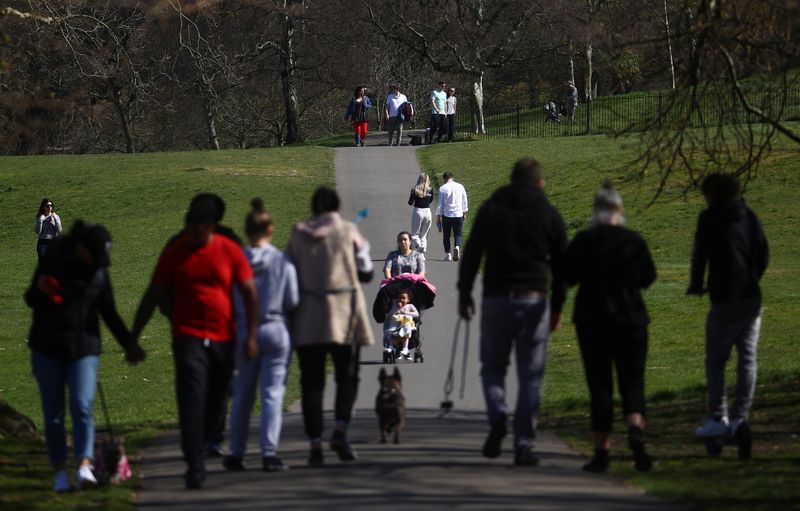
(142, 200)
(574, 168)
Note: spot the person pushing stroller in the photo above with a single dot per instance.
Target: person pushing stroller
(400, 324)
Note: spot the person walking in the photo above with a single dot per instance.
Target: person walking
(729, 240)
(358, 114)
(521, 234)
(331, 257)
(393, 115)
(48, 226)
(611, 264)
(420, 198)
(451, 206)
(265, 365)
(200, 270)
(450, 112)
(437, 124)
(71, 287)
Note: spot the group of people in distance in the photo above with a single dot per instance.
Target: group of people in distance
(248, 309)
(521, 234)
(398, 110)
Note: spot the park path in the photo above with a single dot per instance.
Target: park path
(438, 463)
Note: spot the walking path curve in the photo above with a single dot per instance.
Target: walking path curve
(438, 464)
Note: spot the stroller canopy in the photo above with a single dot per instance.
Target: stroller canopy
(424, 294)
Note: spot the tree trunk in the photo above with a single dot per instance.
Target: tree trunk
(589, 70)
(288, 75)
(211, 125)
(476, 102)
(116, 97)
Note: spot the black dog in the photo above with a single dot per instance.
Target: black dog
(390, 405)
(415, 139)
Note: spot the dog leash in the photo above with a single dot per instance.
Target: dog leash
(105, 408)
(447, 404)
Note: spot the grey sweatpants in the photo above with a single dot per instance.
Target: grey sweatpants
(732, 324)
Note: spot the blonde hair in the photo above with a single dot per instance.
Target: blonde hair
(423, 185)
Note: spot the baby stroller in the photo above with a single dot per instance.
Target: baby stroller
(424, 294)
(551, 112)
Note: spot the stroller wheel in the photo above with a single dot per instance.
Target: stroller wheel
(385, 358)
(416, 357)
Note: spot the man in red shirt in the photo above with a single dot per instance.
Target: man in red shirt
(199, 270)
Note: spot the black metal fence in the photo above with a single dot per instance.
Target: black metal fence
(633, 112)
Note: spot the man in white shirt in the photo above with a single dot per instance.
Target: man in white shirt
(394, 121)
(451, 214)
(438, 119)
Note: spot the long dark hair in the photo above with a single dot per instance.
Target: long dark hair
(358, 89)
(43, 206)
(258, 221)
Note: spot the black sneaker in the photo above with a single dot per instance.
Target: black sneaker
(195, 479)
(523, 457)
(214, 450)
(641, 460)
(744, 439)
(232, 463)
(342, 447)
(491, 447)
(274, 464)
(315, 457)
(599, 463)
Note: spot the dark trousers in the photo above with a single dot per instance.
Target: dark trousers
(601, 349)
(451, 126)
(454, 226)
(43, 245)
(203, 371)
(437, 127)
(312, 383)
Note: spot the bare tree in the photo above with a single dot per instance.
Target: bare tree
(466, 37)
(734, 92)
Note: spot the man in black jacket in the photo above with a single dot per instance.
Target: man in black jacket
(523, 236)
(730, 239)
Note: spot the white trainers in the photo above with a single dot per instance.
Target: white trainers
(86, 477)
(404, 352)
(456, 253)
(714, 428)
(448, 257)
(61, 482)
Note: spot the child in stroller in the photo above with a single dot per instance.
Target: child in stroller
(400, 324)
(422, 294)
(551, 112)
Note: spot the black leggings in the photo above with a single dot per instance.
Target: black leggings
(312, 383)
(601, 348)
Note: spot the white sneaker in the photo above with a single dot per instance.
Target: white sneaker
(448, 257)
(61, 482)
(86, 477)
(404, 352)
(714, 428)
(456, 253)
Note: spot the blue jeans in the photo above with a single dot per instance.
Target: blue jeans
(80, 376)
(732, 324)
(525, 324)
(268, 372)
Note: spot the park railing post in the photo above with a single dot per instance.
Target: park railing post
(517, 121)
(588, 114)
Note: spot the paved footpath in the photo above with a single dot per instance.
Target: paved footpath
(438, 462)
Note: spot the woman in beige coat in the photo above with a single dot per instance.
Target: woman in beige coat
(331, 258)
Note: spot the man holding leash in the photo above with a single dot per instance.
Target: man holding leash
(522, 235)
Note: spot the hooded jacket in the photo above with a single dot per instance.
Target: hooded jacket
(731, 241)
(522, 235)
(65, 322)
(332, 309)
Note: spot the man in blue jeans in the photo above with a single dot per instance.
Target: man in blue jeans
(524, 239)
(731, 241)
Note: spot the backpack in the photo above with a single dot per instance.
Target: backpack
(406, 111)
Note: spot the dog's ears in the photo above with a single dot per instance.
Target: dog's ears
(382, 374)
(396, 374)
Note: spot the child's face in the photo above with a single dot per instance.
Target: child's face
(402, 300)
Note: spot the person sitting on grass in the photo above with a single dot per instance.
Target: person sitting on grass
(399, 324)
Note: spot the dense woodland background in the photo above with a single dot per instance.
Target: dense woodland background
(154, 75)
